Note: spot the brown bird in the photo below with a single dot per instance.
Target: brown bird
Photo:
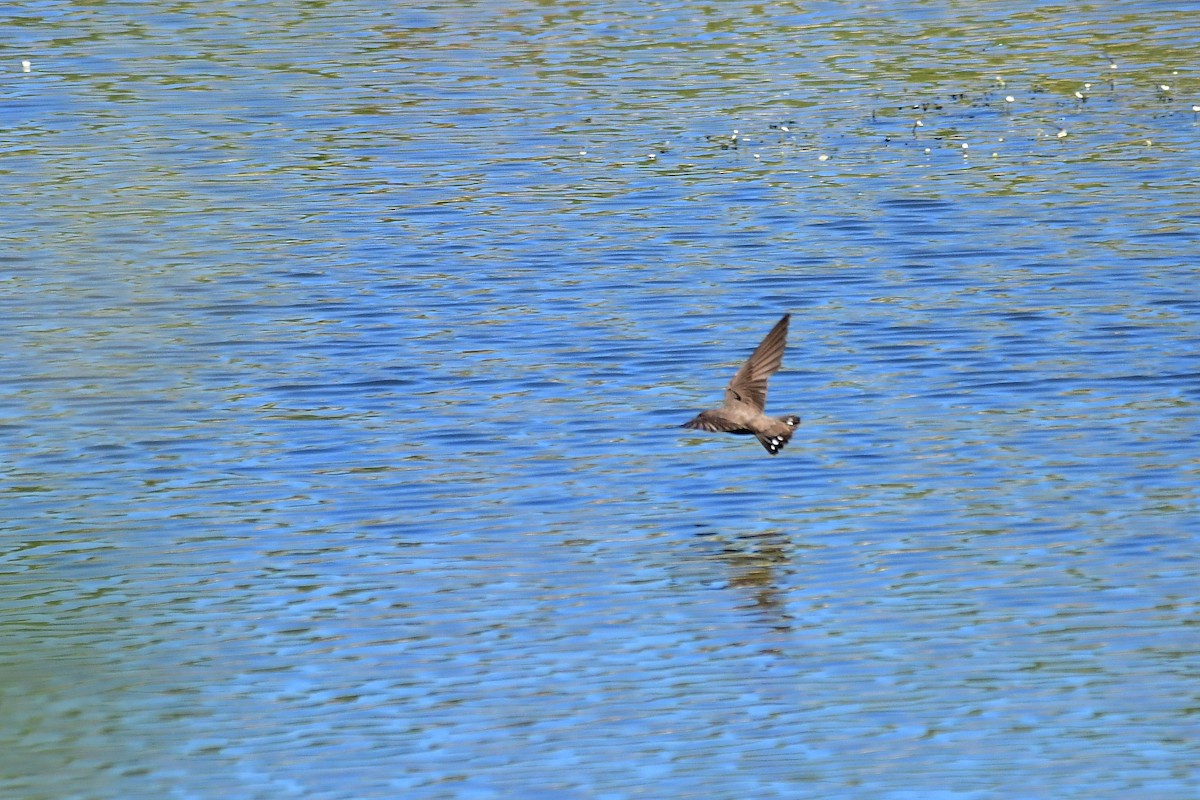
(746, 397)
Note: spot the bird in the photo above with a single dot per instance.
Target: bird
(746, 397)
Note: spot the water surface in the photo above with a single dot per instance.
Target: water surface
(347, 346)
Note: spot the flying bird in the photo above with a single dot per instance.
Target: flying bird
(746, 397)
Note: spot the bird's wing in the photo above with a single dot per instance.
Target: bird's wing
(714, 422)
(749, 385)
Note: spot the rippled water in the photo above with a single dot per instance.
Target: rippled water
(346, 347)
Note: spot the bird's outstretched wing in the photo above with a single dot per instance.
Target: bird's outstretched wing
(749, 385)
(712, 421)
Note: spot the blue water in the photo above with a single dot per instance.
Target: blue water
(347, 346)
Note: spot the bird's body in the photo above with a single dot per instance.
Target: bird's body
(746, 397)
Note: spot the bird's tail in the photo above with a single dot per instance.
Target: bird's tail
(778, 434)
